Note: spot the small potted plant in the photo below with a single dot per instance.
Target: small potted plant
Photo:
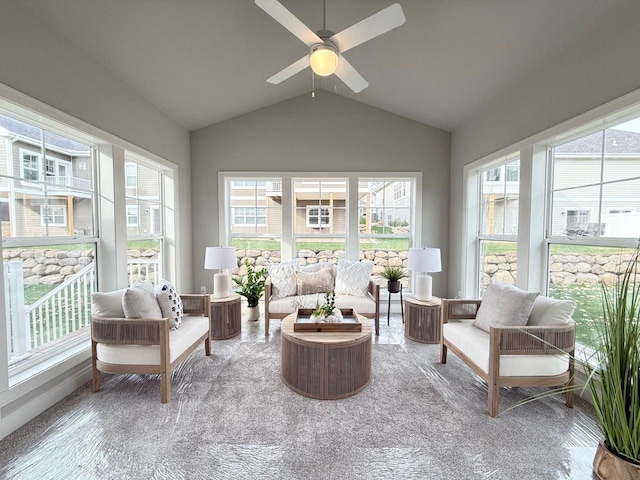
(393, 276)
(251, 286)
(327, 312)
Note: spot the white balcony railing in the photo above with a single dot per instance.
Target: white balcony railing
(61, 182)
(63, 310)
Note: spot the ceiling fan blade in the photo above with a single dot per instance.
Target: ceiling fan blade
(371, 27)
(350, 75)
(289, 71)
(289, 21)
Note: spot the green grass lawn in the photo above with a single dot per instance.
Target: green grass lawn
(502, 248)
(588, 312)
(317, 245)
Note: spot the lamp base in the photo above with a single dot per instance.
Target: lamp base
(220, 285)
(423, 288)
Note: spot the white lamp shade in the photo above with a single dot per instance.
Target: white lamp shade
(424, 260)
(324, 60)
(220, 258)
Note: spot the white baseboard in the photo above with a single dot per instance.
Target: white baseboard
(35, 406)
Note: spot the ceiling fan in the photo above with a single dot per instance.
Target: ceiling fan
(326, 47)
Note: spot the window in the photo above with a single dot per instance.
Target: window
(49, 273)
(132, 215)
(596, 178)
(577, 221)
(131, 175)
(54, 215)
(248, 184)
(498, 225)
(493, 175)
(30, 165)
(317, 217)
(399, 190)
(249, 216)
(321, 218)
(513, 172)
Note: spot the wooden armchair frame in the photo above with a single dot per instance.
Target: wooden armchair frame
(374, 293)
(141, 331)
(538, 340)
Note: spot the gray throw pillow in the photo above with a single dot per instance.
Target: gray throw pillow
(108, 304)
(139, 303)
(504, 305)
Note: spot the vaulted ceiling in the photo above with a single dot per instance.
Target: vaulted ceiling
(204, 61)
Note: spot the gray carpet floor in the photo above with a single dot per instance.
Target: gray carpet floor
(231, 417)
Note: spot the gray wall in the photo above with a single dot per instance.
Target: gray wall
(327, 133)
(42, 64)
(596, 69)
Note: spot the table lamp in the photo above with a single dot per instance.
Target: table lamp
(422, 261)
(220, 258)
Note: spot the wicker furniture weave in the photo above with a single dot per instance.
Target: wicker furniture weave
(527, 340)
(325, 365)
(146, 332)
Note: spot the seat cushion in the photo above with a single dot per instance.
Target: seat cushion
(474, 343)
(362, 305)
(190, 331)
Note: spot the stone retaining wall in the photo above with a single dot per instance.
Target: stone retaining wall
(52, 267)
(380, 258)
(49, 267)
(564, 269)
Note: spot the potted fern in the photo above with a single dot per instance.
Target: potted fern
(251, 286)
(614, 378)
(393, 276)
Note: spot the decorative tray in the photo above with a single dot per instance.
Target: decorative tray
(350, 322)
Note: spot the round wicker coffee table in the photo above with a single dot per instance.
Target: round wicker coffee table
(325, 365)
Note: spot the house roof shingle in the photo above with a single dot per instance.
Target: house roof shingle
(34, 133)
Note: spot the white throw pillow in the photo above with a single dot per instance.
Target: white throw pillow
(549, 311)
(316, 267)
(170, 303)
(504, 305)
(283, 279)
(352, 278)
(108, 304)
(139, 303)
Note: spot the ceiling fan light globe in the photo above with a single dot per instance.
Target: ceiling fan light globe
(324, 60)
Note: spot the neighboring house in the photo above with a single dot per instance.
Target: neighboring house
(39, 195)
(577, 196)
(54, 195)
(256, 207)
(389, 204)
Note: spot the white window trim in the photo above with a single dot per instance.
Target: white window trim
(130, 216)
(127, 176)
(22, 152)
(53, 215)
(321, 214)
(256, 216)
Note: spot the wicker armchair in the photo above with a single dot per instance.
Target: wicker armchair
(159, 349)
(513, 349)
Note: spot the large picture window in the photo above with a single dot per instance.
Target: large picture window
(49, 248)
(320, 222)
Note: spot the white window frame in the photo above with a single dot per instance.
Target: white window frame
(128, 175)
(135, 215)
(38, 170)
(49, 211)
(399, 190)
(324, 211)
(236, 210)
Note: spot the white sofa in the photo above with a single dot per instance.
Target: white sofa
(148, 346)
(368, 306)
(537, 354)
